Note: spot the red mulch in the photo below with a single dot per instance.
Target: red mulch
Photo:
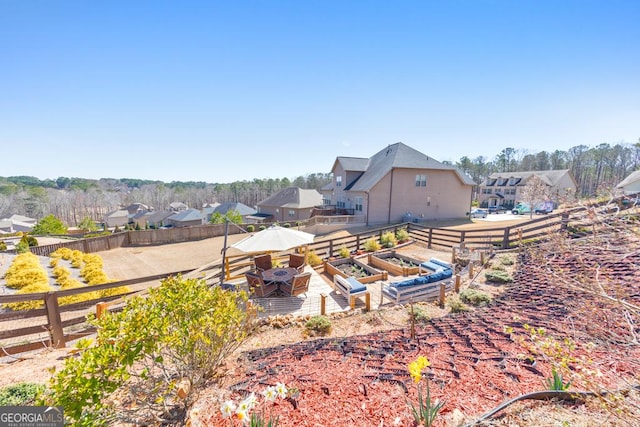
(475, 364)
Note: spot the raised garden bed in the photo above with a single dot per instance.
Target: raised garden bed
(350, 267)
(395, 263)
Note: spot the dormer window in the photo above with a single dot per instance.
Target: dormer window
(491, 182)
(514, 180)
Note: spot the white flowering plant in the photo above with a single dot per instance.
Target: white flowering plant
(249, 412)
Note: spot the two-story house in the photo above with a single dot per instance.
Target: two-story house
(505, 188)
(290, 204)
(397, 183)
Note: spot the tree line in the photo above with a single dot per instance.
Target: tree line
(72, 200)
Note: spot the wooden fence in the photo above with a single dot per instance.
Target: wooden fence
(54, 325)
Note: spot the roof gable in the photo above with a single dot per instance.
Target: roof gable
(397, 156)
(294, 197)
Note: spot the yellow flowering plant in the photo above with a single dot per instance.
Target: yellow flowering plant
(426, 411)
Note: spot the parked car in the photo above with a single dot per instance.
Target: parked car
(497, 209)
(521, 209)
(544, 208)
(478, 213)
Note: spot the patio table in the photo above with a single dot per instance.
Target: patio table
(279, 275)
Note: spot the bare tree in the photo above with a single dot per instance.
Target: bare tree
(534, 193)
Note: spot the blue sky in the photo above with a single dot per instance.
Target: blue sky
(219, 91)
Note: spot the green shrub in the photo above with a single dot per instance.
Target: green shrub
(372, 245)
(22, 247)
(29, 240)
(388, 240)
(318, 325)
(498, 276)
(506, 260)
(475, 297)
(402, 235)
(157, 351)
(251, 228)
(20, 394)
(419, 314)
(313, 259)
(456, 305)
(3, 246)
(344, 252)
(262, 227)
(286, 225)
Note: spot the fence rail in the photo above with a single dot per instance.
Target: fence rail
(54, 325)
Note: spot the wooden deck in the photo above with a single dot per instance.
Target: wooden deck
(310, 304)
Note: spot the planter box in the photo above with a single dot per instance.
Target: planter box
(410, 266)
(332, 268)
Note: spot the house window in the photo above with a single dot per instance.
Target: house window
(421, 180)
(292, 213)
(340, 202)
(326, 200)
(358, 203)
(339, 181)
(486, 191)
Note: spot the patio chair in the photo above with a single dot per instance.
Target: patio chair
(263, 262)
(297, 261)
(299, 285)
(257, 285)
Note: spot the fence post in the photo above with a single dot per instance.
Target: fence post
(323, 304)
(505, 238)
(430, 236)
(101, 307)
(442, 294)
(54, 320)
(462, 236)
(457, 284)
(565, 221)
(367, 301)
(470, 269)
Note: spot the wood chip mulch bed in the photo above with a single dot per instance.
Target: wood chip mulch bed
(476, 364)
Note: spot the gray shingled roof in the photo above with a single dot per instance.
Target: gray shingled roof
(187, 215)
(550, 177)
(397, 156)
(633, 177)
(235, 206)
(294, 197)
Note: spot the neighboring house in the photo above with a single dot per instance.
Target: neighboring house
(208, 209)
(135, 208)
(16, 223)
(157, 219)
(396, 183)
(178, 207)
(290, 204)
(23, 219)
(505, 188)
(118, 218)
(243, 209)
(185, 218)
(631, 184)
